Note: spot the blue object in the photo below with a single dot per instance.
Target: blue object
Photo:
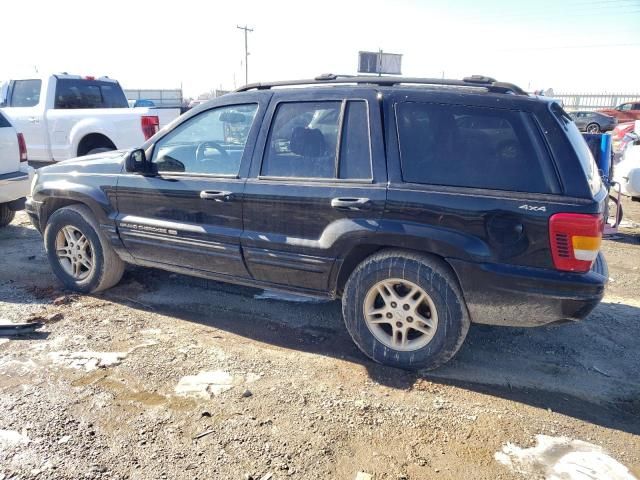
(600, 146)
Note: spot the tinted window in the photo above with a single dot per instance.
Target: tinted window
(72, 93)
(581, 148)
(355, 149)
(211, 143)
(4, 122)
(26, 93)
(465, 146)
(302, 140)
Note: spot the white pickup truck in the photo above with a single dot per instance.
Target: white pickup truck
(65, 116)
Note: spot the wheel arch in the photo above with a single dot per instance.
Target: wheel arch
(93, 140)
(361, 252)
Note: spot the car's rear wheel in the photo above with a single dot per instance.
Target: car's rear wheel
(405, 310)
(593, 128)
(78, 253)
(6, 215)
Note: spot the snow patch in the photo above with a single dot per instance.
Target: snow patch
(88, 360)
(10, 438)
(207, 385)
(562, 458)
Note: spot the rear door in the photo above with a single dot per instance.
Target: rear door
(474, 180)
(317, 185)
(190, 215)
(26, 104)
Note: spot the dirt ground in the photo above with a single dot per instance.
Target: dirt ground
(172, 377)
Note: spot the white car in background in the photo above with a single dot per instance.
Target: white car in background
(627, 172)
(15, 173)
(64, 116)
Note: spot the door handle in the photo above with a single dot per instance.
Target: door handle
(344, 203)
(34, 120)
(217, 195)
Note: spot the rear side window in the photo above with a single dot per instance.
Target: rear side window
(25, 93)
(76, 93)
(328, 139)
(581, 148)
(465, 146)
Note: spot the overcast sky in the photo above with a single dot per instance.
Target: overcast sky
(587, 45)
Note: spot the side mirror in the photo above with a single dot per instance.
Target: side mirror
(136, 162)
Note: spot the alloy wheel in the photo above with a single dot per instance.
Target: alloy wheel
(400, 314)
(74, 252)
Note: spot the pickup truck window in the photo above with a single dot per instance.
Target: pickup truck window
(78, 93)
(465, 146)
(210, 143)
(304, 137)
(25, 93)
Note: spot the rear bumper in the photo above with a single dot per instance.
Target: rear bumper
(528, 297)
(15, 185)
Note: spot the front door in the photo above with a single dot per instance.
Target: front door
(25, 108)
(317, 185)
(190, 215)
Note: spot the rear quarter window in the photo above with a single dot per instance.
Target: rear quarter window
(467, 146)
(580, 146)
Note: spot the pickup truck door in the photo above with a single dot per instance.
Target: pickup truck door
(189, 216)
(317, 186)
(26, 106)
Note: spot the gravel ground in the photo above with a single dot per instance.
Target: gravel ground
(167, 376)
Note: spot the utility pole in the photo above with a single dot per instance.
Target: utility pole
(246, 52)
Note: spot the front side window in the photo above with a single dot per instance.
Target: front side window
(26, 93)
(304, 136)
(625, 107)
(465, 146)
(211, 143)
(77, 93)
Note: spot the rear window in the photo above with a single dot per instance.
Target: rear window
(75, 93)
(465, 146)
(581, 148)
(25, 93)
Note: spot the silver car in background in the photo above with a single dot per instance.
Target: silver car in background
(593, 122)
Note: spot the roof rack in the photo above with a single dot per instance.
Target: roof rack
(491, 84)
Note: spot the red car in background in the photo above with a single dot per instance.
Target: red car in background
(625, 112)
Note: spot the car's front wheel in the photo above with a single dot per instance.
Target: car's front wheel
(405, 309)
(79, 255)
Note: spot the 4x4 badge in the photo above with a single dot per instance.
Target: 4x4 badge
(533, 208)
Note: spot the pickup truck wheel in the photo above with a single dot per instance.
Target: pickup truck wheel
(78, 253)
(405, 310)
(6, 215)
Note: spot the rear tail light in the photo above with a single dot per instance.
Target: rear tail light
(150, 125)
(22, 145)
(575, 240)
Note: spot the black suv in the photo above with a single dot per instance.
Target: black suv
(425, 204)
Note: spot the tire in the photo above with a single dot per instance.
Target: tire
(593, 128)
(445, 300)
(106, 267)
(6, 215)
(99, 150)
